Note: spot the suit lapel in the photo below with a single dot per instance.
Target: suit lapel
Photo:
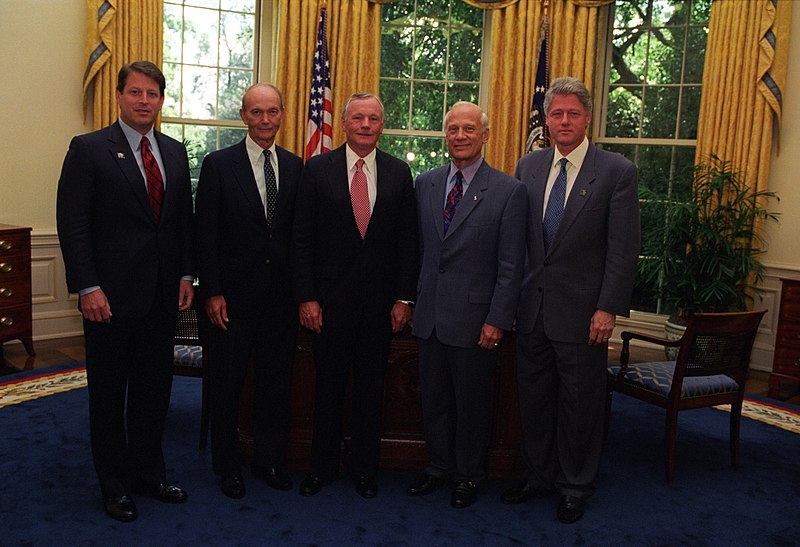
(243, 172)
(286, 179)
(340, 188)
(438, 182)
(122, 154)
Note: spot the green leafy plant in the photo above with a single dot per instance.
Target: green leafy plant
(705, 256)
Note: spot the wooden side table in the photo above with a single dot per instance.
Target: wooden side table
(786, 361)
(15, 286)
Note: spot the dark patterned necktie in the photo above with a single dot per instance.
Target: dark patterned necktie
(271, 185)
(555, 205)
(453, 198)
(155, 184)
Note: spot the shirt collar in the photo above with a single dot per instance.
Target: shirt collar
(467, 172)
(352, 158)
(134, 137)
(254, 150)
(575, 157)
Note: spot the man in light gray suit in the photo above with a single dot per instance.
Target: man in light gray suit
(582, 251)
(472, 226)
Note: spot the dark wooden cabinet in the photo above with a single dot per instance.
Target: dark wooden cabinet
(786, 362)
(403, 442)
(15, 286)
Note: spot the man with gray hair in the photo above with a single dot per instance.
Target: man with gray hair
(244, 210)
(355, 264)
(472, 229)
(583, 244)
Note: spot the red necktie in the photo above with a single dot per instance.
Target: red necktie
(359, 197)
(155, 184)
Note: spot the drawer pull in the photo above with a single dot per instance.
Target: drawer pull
(797, 362)
(5, 292)
(5, 268)
(5, 245)
(6, 321)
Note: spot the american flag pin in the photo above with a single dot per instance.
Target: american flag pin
(120, 155)
(583, 193)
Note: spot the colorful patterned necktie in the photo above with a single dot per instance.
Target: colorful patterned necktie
(359, 197)
(555, 205)
(453, 198)
(155, 184)
(272, 187)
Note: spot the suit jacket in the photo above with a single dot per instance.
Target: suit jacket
(591, 263)
(349, 276)
(238, 256)
(472, 275)
(107, 230)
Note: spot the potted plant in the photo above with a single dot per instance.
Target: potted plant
(705, 256)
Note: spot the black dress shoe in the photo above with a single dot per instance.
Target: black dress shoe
(464, 494)
(426, 485)
(232, 486)
(366, 486)
(311, 485)
(275, 477)
(523, 492)
(570, 509)
(164, 492)
(120, 508)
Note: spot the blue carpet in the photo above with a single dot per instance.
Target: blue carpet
(49, 495)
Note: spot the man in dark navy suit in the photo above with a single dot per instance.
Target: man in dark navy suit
(124, 220)
(354, 266)
(245, 206)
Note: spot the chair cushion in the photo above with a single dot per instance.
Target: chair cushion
(657, 378)
(188, 356)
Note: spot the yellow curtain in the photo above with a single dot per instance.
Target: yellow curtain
(743, 80)
(515, 41)
(118, 32)
(354, 55)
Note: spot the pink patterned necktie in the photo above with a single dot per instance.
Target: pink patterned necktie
(453, 199)
(359, 197)
(155, 184)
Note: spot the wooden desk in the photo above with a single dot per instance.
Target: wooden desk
(15, 286)
(786, 361)
(402, 444)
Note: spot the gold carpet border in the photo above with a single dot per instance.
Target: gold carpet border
(27, 389)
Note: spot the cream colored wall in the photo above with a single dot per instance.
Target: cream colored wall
(41, 59)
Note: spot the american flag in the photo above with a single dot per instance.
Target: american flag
(319, 130)
(537, 129)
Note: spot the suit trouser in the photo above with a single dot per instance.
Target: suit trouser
(268, 340)
(562, 391)
(364, 349)
(454, 383)
(129, 376)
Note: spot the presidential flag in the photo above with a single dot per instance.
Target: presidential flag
(537, 130)
(319, 131)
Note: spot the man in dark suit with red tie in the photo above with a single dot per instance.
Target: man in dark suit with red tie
(244, 211)
(124, 213)
(354, 266)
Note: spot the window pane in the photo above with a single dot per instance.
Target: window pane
(462, 92)
(173, 32)
(199, 92)
(666, 56)
(427, 153)
(172, 93)
(395, 96)
(232, 85)
(203, 3)
(462, 14)
(669, 13)
(465, 55)
(428, 104)
(660, 112)
(396, 51)
(200, 38)
(430, 54)
(399, 11)
(630, 53)
(228, 136)
(690, 112)
(247, 6)
(395, 145)
(236, 40)
(695, 55)
(631, 14)
(624, 112)
(701, 11)
(433, 10)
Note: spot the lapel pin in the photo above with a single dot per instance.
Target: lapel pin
(474, 198)
(583, 193)
(120, 155)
